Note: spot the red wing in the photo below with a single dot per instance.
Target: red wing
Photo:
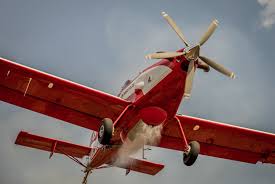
(51, 145)
(56, 97)
(142, 166)
(222, 140)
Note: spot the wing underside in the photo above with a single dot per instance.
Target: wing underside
(222, 140)
(56, 97)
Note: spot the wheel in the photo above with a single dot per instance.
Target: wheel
(190, 157)
(105, 131)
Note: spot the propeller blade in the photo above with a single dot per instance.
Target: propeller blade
(174, 26)
(189, 79)
(217, 67)
(163, 55)
(209, 32)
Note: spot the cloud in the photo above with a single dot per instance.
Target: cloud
(109, 47)
(268, 13)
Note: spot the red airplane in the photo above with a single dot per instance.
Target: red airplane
(144, 113)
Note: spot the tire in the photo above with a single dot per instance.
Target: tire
(190, 158)
(105, 131)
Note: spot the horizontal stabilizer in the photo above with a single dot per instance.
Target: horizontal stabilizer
(141, 166)
(51, 145)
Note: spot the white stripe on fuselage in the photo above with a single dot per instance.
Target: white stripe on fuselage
(150, 78)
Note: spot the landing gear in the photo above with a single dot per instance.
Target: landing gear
(191, 156)
(105, 131)
(191, 151)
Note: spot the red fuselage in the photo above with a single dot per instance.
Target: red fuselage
(155, 92)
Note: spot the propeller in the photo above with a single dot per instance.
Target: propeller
(192, 54)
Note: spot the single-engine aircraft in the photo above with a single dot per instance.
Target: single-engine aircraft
(149, 102)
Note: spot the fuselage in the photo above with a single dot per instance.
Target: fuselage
(155, 92)
(161, 85)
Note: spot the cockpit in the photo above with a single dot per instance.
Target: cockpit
(125, 85)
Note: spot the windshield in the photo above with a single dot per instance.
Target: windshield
(124, 86)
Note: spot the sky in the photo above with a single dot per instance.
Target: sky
(101, 44)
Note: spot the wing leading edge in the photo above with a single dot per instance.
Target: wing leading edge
(222, 140)
(56, 97)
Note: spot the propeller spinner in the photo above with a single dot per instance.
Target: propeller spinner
(192, 54)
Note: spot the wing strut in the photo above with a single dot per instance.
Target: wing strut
(53, 149)
(73, 159)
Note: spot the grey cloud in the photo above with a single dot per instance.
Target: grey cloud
(268, 13)
(103, 44)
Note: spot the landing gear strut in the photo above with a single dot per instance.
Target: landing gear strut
(191, 151)
(191, 156)
(105, 131)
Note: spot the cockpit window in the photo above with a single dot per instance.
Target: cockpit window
(124, 86)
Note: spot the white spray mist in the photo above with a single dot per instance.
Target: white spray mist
(139, 136)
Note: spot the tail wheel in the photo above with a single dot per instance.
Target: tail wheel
(190, 157)
(105, 131)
